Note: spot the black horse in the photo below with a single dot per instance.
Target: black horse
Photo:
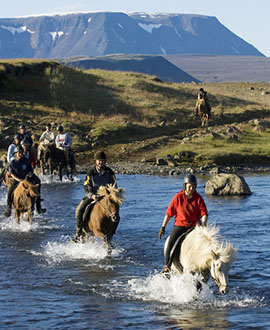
(53, 160)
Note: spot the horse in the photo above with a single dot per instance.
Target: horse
(24, 198)
(203, 252)
(104, 218)
(7, 178)
(54, 158)
(204, 112)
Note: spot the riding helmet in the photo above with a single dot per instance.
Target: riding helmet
(24, 142)
(60, 128)
(17, 136)
(22, 126)
(190, 178)
(100, 155)
(18, 149)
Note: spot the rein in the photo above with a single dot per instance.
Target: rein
(112, 215)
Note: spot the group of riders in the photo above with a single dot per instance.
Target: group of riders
(21, 160)
(187, 206)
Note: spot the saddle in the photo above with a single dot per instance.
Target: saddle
(176, 250)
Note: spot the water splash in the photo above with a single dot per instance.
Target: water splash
(23, 226)
(67, 250)
(54, 179)
(179, 289)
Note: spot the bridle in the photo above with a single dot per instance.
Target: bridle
(112, 215)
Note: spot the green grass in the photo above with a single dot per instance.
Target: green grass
(98, 106)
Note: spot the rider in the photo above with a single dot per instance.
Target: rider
(188, 207)
(47, 136)
(10, 155)
(63, 141)
(28, 153)
(19, 168)
(99, 175)
(25, 135)
(203, 95)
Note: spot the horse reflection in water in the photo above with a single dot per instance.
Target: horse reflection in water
(204, 253)
(104, 218)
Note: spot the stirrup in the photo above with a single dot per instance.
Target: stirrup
(166, 269)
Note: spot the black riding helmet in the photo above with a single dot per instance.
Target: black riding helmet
(17, 137)
(60, 128)
(24, 142)
(100, 155)
(190, 178)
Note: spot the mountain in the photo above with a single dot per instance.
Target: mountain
(149, 64)
(101, 33)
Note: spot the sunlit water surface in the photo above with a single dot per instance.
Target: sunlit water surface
(49, 282)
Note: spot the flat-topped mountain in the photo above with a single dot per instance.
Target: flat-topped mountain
(101, 33)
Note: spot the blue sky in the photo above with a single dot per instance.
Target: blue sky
(249, 19)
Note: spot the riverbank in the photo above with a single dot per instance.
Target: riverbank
(154, 169)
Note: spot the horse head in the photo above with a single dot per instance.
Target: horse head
(219, 272)
(32, 190)
(112, 198)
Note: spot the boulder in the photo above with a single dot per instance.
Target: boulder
(227, 185)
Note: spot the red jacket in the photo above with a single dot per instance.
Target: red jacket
(187, 212)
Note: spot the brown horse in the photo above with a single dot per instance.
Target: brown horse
(24, 199)
(7, 178)
(54, 159)
(104, 217)
(204, 112)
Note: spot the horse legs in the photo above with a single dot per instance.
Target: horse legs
(99, 233)
(17, 215)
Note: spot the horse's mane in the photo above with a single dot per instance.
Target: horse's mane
(207, 239)
(116, 194)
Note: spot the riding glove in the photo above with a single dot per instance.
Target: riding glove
(161, 232)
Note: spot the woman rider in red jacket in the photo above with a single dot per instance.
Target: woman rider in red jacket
(188, 207)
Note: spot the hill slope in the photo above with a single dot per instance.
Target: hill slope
(153, 65)
(96, 34)
(133, 116)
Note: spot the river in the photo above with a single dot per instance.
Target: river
(49, 282)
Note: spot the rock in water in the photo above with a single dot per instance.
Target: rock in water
(227, 184)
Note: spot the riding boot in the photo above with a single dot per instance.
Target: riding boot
(7, 212)
(38, 205)
(2, 174)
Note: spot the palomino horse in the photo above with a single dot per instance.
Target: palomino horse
(24, 198)
(203, 111)
(203, 253)
(54, 159)
(104, 217)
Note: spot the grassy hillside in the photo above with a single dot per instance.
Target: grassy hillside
(133, 116)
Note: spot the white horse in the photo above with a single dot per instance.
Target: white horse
(205, 252)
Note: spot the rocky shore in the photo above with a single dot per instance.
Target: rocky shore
(154, 169)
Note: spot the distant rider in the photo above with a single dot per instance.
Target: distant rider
(203, 95)
(63, 141)
(47, 137)
(99, 175)
(188, 207)
(24, 135)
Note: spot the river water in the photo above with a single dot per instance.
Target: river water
(49, 282)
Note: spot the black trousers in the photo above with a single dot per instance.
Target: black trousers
(79, 218)
(176, 232)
